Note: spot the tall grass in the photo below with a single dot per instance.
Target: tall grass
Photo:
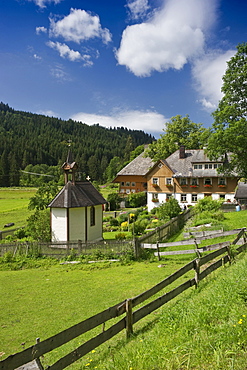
(205, 329)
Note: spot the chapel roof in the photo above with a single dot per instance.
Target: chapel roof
(79, 194)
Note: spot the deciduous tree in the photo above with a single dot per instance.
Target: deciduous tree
(179, 131)
(229, 132)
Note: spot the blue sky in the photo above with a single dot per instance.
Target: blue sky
(132, 63)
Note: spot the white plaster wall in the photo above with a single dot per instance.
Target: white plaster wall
(151, 205)
(95, 232)
(177, 196)
(77, 223)
(58, 224)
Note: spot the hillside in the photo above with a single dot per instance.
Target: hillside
(28, 138)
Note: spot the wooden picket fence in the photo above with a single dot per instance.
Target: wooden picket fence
(197, 238)
(125, 307)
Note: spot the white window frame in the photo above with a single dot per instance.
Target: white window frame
(194, 181)
(168, 181)
(207, 183)
(183, 181)
(222, 181)
(194, 198)
(183, 198)
(155, 181)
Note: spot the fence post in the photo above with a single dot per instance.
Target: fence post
(129, 318)
(137, 247)
(158, 250)
(79, 246)
(197, 271)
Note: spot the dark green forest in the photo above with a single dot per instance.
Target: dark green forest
(37, 143)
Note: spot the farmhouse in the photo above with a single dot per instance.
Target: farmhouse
(76, 211)
(188, 175)
(132, 178)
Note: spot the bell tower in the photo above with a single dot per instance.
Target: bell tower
(69, 167)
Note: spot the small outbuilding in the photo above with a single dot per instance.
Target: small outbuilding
(241, 194)
(77, 210)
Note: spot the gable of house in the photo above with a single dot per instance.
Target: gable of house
(132, 178)
(188, 175)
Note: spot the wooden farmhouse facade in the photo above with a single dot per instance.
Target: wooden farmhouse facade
(188, 175)
(132, 178)
(76, 211)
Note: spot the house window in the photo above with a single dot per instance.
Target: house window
(222, 181)
(155, 181)
(121, 190)
(92, 216)
(127, 183)
(208, 166)
(183, 181)
(197, 166)
(207, 181)
(183, 198)
(155, 197)
(133, 191)
(194, 182)
(133, 184)
(168, 197)
(168, 181)
(127, 191)
(194, 197)
(222, 196)
(122, 183)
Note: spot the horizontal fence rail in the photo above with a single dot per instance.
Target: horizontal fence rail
(124, 307)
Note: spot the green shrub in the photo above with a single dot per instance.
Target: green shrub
(114, 221)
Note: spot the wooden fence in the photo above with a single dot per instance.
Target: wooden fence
(126, 307)
(197, 238)
(64, 249)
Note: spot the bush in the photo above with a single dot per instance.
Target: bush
(169, 209)
(139, 227)
(137, 199)
(114, 222)
(207, 204)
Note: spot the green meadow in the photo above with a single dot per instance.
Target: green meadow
(203, 329)
(14, 202)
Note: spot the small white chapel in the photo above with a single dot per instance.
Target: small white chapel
(77, 210)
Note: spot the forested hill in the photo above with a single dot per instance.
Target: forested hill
(32, 139)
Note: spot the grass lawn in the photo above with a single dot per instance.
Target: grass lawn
(199, 330)
(14, 202)
(41, 302)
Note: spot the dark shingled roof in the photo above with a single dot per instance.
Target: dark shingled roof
(241, 192)
(183, 167)
(139, 166)
(80, 194)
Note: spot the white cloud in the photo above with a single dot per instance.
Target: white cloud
(40, 30)
(72, 55)
(172, 37)
(79, 26)
(207, 73)
(148, 121)
(59, 73)
(48, 113)
(37, 57)
(42, 3)
(137, 8)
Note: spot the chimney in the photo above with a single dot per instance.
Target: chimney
(182, 152)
